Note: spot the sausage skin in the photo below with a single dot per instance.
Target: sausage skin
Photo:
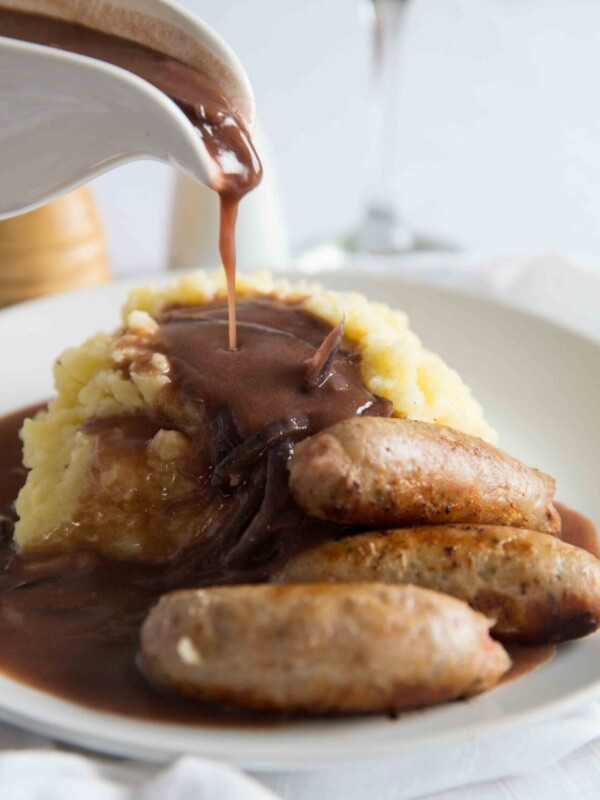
(383, 473)
(320, 648)
(538, 589)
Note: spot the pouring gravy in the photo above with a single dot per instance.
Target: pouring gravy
(197, 94)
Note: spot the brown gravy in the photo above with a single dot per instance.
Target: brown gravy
(578, 530)
(524, 659)
(197, 94)
(276, 343)
(69, 626)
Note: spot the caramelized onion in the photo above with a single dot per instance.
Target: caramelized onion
(275, 502)
(232, 468)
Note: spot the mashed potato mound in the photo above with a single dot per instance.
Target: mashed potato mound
(90, 384)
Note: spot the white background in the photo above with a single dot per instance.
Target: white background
(499, 123)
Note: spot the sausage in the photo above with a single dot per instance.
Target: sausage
(321, 648)
(385, 473)
(537, 588)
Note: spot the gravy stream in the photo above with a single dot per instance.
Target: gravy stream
(221, 127)
(70, 626)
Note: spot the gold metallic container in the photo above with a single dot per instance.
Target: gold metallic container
(57, 247)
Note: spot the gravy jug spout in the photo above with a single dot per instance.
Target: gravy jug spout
(65, 118)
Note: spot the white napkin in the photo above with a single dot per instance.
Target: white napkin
(554, 287)
(51, 775)
(576, 777)
(413, 775)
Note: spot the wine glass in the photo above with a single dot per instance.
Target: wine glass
(382, 230)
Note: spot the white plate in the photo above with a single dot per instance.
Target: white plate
(540, 385)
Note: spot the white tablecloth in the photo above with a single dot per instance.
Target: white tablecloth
(554, 760)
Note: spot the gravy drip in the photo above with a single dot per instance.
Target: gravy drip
(70, 625)
(197, 94)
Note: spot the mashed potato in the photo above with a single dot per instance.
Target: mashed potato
(90, 384)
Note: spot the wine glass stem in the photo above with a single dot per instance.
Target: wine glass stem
(382, 228)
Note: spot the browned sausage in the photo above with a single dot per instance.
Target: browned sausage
(385, 473)
(537, 588)
(321, 648)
